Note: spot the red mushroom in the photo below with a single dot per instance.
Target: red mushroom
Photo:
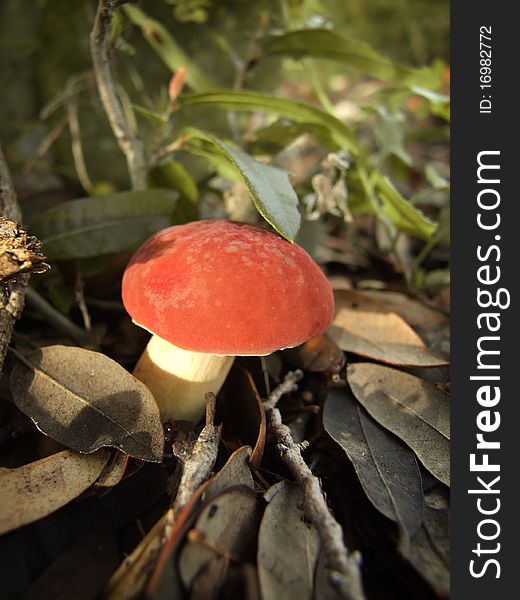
(212, 290)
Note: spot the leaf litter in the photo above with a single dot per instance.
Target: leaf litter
(85, 400)
(386, 468)
(369, 329)
(35, 490)
(413, 409)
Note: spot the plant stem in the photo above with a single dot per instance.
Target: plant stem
(77, 148)
(128, 141)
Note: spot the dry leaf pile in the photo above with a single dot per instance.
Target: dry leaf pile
(100, 501)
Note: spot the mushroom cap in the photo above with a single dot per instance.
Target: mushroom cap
(226, 288)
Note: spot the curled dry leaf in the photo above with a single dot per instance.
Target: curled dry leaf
(365, 327)
(39, 488)
(288, 548)
(415, 410)
(114, 470)
(386, 468)
(319, 354)
(245, 413)
(85, 400)
(226, 525)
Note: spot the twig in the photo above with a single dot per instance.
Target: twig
(200, 462)
(343, 569)
(12, 294)
(79, 289)
(77, 147)
(9, 207)
(130, 143)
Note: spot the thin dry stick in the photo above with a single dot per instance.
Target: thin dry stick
(128, 141)
(343, 569)
(197, 467)
(12, 294)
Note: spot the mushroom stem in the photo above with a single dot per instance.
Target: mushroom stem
(179, 378)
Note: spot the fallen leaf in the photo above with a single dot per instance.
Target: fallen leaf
(235, 472)
(430, 549)
(225, 526)
(415, 313)
(415, 410)
(319, 354)
(432, 325)
(114, 470)
(288, 548)
(245, 415)
(85, 400)
(39, 488)
(207, 584)
(386, 468)
(365, 327)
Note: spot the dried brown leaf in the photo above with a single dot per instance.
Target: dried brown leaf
(245, 413)
(415, 410)
(414, 312)
(386, 468)
(85, 400)
(225, 526)
(432, 325)
(288, 548)
(235, 472)
(39, 488)
(368, 328)
(430, 549)
(320, 354)
(114, 470)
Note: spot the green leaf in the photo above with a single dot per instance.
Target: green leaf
(273, 138)
(173, 175)
(106, 224)
(172, 55)
(402, 213)
(439, 103)
(293, 110)
(355, 55)
(270, 188)
(389, 131)
(153, 116)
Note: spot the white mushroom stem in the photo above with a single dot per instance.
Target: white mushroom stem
(178, 379)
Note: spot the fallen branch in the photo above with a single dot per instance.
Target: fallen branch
(128, 141)
(343, 569)
(12, 292)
